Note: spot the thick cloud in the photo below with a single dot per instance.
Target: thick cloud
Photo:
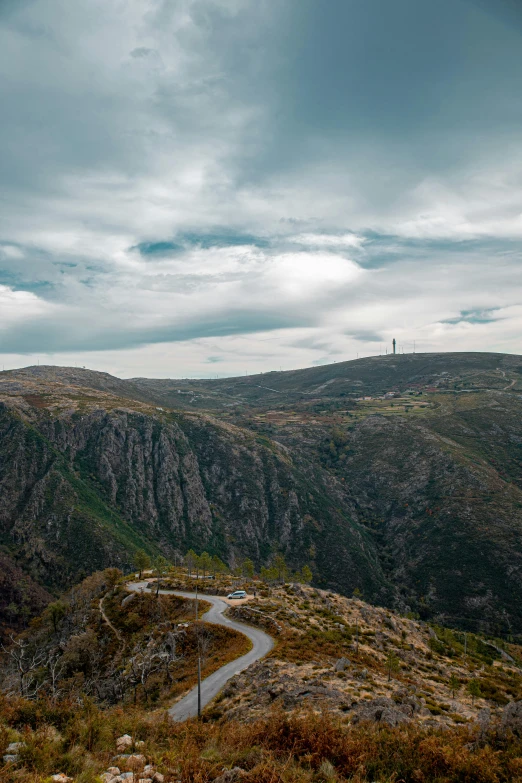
(255, 184)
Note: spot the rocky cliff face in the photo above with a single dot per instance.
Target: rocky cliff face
(82, 487)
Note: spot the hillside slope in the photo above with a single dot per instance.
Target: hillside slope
(410, 491)
(87, 478)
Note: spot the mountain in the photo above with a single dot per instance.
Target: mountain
(87, 477)
(397, 475)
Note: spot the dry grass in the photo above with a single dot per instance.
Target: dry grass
(80, 741)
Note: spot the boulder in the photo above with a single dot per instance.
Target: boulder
(484, 721)
(231, 775)
(11, 758)
(381, 710)
(123, 743)
(341, 665)
(512, 718)
(158, 777)
(113, 771)
(14, 747)
(136, 761)
(60, 777)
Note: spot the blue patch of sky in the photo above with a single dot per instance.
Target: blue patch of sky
(17, 283)
(158, 248)
(381, 250)
(206, 240)
(474, 317)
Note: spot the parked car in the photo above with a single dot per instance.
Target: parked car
(237, 594)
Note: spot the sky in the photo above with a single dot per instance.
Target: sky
(202, 188)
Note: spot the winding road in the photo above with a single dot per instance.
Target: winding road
(262, 643)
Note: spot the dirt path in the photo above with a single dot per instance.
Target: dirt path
(108, 622)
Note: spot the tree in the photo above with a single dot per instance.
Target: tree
(248, 568)
(112, 575)
(205, 563)
(392, 664)
(269, 575)
(474, 689)
(281, 568)
(306, 575)
(454, 684)
(26, 661)
(161, 566)
(56, 612)
(218, 566)
(190, 559)
(141, 560)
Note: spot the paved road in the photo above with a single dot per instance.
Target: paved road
(262, 643)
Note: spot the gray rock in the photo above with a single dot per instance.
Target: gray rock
(11, 758)
(341, 664)
(231, 775)
(380, 710)
(484, 720)
(512, 718)
(14, 747)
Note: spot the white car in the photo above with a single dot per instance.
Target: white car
(237, 594)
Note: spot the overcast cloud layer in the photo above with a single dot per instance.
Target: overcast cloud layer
(202, 187)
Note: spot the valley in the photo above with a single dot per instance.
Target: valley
(397, 476)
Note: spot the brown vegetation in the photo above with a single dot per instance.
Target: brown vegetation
(79, 740)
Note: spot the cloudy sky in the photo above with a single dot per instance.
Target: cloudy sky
(211, 187)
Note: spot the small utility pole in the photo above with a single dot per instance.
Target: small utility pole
(199, 685)
(199, 656)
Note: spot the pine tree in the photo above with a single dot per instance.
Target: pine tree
(141, 560)
(161, 566)
(474, 689)
(190, 560)
(205, 563)
(392, 664)
(454, 684)
(248, 568)
(281, 568)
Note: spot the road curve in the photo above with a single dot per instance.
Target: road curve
(262, 643)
